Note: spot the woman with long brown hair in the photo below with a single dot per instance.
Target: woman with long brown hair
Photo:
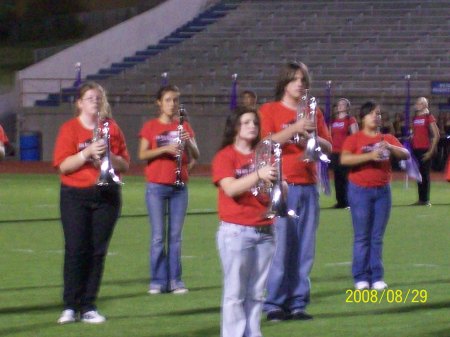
(245, 239)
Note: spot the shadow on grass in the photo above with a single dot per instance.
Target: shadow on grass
(50, 286)
(417, 284)
(422, 206)
(31, 308)
(187, 312)
(27, 328)
(46, 286)
(414, 307)
(203, 332)
(440, 333)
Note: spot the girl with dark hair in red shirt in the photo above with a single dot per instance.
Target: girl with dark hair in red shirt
(367, 152)
(245, 240)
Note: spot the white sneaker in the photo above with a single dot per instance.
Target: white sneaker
(92, 317)
(154, 291)
(361, 285)
(67, 316)
(180, 291)
(379, 285)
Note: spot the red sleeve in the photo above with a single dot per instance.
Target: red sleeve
(431, 119)
(353, 121)
(66, 144)
(392, 140)
(3, 136)
(349, 144)
(147, 132)
(267, 124)
(117, 142)
(222, 167)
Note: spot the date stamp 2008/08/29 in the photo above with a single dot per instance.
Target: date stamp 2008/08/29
(386, 296)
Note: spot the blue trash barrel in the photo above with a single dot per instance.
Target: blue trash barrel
(30, 146)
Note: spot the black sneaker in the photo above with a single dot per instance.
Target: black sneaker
(276, 316)
(300, 315)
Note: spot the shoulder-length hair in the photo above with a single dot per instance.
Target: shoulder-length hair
(165, 89)
(233, 124)
(287, 75)
(367, 108)
(105, 108)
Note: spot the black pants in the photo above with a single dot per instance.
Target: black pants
(340, 180)
(88, 217)
(424, 168)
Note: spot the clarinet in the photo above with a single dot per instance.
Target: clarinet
(179, 183)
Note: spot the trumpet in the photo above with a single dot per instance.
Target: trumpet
(268, 152)
(179, 183)
(107, 174)
(263, 157)
(277, 204)
(313, 151)
(302, 111)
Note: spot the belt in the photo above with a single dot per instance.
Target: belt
(263, 229)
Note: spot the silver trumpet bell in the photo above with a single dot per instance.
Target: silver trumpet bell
(107, 174)
(313, 151)
(277, 205)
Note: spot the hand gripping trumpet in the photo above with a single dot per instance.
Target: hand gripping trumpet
(313, 152)
(107, 175)
(268, 152)
(277, 203)
(179, 183)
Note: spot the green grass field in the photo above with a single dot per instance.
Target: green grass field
(416, 259)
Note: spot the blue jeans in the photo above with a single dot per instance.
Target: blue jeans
(288, 286)
(370, 209)
(166, 208)
(245, 252)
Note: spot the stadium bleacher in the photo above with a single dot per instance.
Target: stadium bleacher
(364, 47)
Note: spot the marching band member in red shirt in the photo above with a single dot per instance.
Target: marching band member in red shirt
(88, 212)
(342, 126)
(425, 139)
(367, 152)
(288, 286)
(166, 201)
(245, 240)
(3, 141)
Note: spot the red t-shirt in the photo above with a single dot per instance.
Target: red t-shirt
(245, 209)
(162, 170)
(421, 131)
(72, 138)
(340, 129)
(3, 137)
(373, 173)
(274, 118)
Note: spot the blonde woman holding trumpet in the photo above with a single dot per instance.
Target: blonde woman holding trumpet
(89, 212)
(165, 143)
